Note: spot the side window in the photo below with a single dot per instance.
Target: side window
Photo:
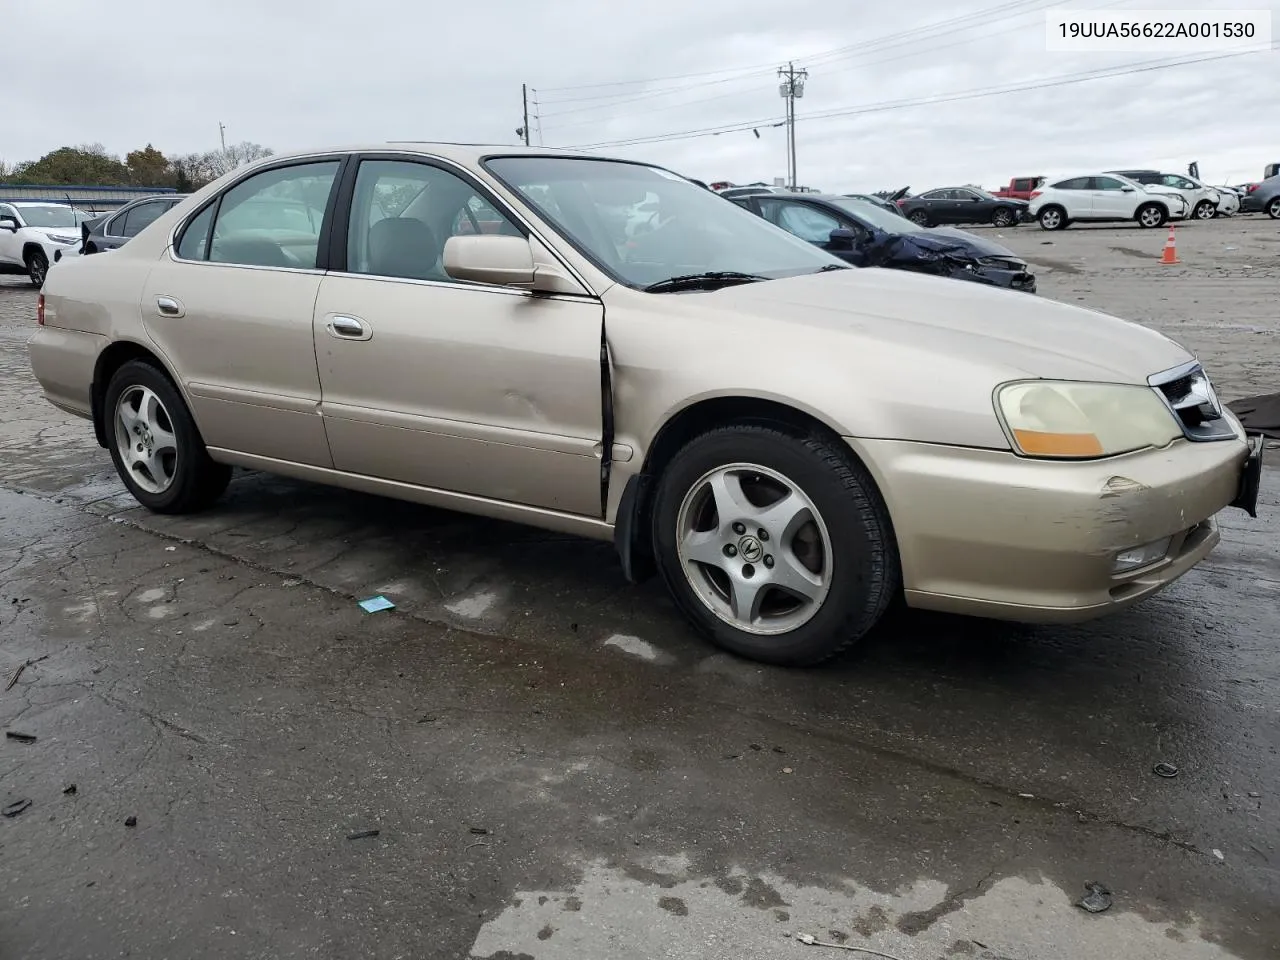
(1107, 183)
(743, 202)
(1075, 183)
(272, 219)
(935, 195)
(806, 222)
(143, 215)
(194, 242)
(115, 226)
(402, 213)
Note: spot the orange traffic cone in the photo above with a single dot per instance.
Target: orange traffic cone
(1170, 249)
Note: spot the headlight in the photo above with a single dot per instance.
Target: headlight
(1069, 420)
(59, 238)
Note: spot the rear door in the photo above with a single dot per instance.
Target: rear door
(487, 391)
(230, 306)
(10, 245)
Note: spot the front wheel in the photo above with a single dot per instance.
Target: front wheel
(1151, 215)
(1273, 209)
(1003, 217)
(155, 445)
(37, 267)
(1206, 210)
(777, 547)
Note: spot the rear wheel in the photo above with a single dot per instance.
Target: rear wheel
(1052, 218)
(1273, 209)
(777, 547)
(37, 267)
(919, 217)
(155, 445)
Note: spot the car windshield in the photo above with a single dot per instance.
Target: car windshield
(877, 216)
(681, 229)
(52, 215)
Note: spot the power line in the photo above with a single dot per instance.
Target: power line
(860, 64)
(979, 93)
(1008, 8)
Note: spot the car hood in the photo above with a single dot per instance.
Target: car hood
(951, 240)
(1011, 335)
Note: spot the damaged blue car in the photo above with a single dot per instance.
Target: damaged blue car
(868, 235)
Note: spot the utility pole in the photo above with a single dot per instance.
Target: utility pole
(222, 135)
(524, 98)
(791, 88)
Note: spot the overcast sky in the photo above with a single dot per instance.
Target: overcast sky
(294, 74)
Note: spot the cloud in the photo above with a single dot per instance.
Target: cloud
(295, 74)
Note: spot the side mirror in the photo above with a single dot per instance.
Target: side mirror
(488, 258)
(9, 223)
(842, 239)
(1126, 189)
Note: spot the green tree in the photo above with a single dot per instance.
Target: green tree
(86, 164)
(149, 168)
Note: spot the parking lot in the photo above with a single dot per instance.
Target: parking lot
(557, 769)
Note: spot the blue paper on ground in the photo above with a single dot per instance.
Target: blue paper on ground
(374, 604)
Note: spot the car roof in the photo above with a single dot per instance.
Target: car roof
(460, 152)
(37, 203)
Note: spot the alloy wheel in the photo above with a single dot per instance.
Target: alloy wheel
(145, 439)
(754, 548)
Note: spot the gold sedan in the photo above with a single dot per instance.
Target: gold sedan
(605, 348)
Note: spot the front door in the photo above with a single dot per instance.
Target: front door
(482, 390)
(10, 245)
(231, 305)
(1111, 201)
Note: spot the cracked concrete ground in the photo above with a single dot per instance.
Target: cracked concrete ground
(559, 771)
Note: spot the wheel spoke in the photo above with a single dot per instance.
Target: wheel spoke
(731, 501)
(791, 575)
(128, 417)
(150, 410)
(163, 440)
(785, 517)
(745, 596)
(703, 546)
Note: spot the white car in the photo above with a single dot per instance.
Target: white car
(1101, 198)
(1204, 201)
(32, 234)
(1228, 201)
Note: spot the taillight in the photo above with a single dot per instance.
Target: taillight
(40, 309)
(1253, 187)
(1035, 193)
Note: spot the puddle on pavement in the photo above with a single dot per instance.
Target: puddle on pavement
(658, 910)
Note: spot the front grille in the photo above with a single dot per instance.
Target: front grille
(1003, 263)
(1191, 397)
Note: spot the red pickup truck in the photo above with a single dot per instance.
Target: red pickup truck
(1019, 188)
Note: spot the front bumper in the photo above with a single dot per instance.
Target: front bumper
(1019, 280)
(988, 533)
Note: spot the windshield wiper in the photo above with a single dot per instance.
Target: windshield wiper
(834, 266)
(702, 281)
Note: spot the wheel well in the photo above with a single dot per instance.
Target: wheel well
(30, 248)
(632, 527)
(109, 361)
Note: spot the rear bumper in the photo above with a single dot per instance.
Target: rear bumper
(987, 533)
(63, 362)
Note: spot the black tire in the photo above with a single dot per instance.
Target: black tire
(919, 218)
(1052, 217)
(1150, 222)
(1206, 210)
(1004, 217)
(37, 267)
(197, 480)
(1273, 208)
(856, 521)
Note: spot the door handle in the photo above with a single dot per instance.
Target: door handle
(168, 307)
(348, 328)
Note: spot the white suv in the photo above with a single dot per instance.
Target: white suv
(32, 234)
(1101, 197)
(1205, 201)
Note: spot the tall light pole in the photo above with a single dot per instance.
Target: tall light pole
(791, 88)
